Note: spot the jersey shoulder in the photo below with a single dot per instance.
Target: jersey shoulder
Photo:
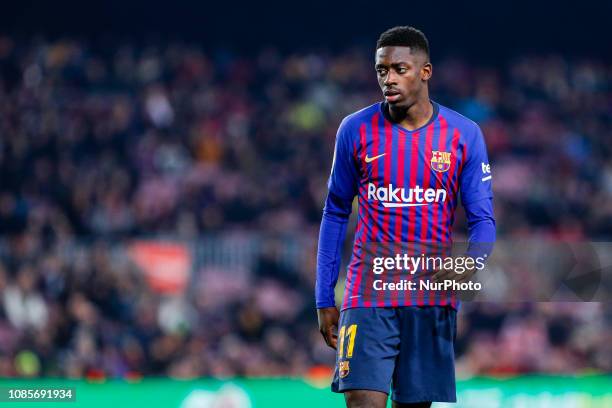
(468, 129)
(353, 121)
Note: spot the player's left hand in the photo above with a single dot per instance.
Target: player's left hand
(451, 274)
(328, 324)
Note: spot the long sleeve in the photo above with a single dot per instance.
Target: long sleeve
(481, 227)
(329, 253)
(477, 196)
(342, 187)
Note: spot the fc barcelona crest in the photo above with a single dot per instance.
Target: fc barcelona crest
(343, 368)
(440, 161)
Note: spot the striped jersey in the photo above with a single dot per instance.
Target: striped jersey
(407, 183)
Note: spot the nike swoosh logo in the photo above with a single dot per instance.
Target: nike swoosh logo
(371, 159)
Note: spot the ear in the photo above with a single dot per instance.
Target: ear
(426, 71)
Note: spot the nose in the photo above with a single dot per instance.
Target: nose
(390, 78)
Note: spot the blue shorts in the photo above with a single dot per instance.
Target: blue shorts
(406, 349)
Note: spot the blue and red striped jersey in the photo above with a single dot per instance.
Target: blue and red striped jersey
(407, 183)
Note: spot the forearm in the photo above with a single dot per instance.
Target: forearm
(329, 252)
(481, 228)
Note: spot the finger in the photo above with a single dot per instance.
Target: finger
(328, 336)
(436, 275)
(462, 278)
(333, 339)
(466, 277)
(442, 275)
(324, 333)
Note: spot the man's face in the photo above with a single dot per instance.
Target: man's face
(402, 74)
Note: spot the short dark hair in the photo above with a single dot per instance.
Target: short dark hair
(404, 36)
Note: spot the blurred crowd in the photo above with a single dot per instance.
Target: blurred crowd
(99, 146)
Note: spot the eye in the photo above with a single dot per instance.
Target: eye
(402, 70)
(381, 71)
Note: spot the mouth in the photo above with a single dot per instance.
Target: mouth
(391, 95)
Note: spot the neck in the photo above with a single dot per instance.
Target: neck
(414, 116)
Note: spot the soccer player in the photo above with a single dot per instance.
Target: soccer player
(407, 159)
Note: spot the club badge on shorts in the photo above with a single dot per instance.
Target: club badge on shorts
(440, 161)
(343, 368)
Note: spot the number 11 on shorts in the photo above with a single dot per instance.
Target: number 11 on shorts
(350, 333)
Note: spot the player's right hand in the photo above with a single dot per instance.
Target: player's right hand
(328, 325)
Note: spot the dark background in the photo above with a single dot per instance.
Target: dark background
(485, 30)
